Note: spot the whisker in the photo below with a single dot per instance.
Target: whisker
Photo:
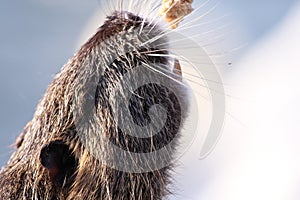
(194, 36)
(160, 18)
(152, 51)
(229, 51)
(195, 68)
(164, 74)
(179, 76)
(197, 18)
(195, 76)
(130, 5)
(182, 27)
(144, 18)
(202, 85)
(155, 19)
(194, 11)
(178, 29)
(201, 24)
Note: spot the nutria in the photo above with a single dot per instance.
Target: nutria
(57, 157)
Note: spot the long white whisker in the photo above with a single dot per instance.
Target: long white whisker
(130, 5)
(194, 11)
(195, 68)
(195, 36)
(202, 85)
(179, 29)
(200, 24)
(192, 75)
(160, 18)
(229, 51)
(145, 18)
(183, 26)
(152, 10)
(164, 74)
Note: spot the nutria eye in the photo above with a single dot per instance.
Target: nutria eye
(59, 161)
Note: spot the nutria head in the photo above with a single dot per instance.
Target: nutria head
(108, 125)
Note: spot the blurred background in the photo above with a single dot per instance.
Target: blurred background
(257, 155)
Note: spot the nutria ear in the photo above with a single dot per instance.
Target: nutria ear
(60, 162)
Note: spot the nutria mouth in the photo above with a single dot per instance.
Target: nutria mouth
(57, 154)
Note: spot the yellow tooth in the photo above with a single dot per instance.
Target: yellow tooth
(177, 68)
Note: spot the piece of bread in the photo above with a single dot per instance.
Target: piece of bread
(175, 10)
